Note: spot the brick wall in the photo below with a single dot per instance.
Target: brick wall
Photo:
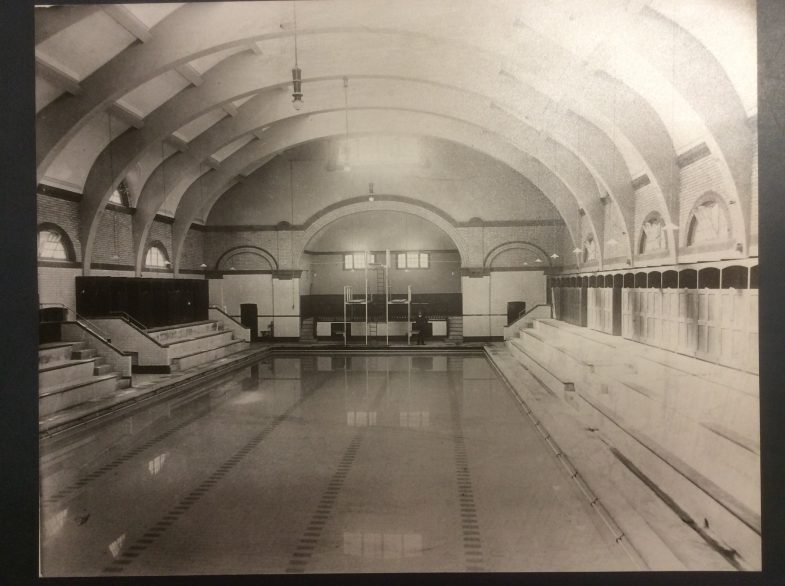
(64, 214)
(162, 232)
(114, 237)
(193, 250)
(217, 243)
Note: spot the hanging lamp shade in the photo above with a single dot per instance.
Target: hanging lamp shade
(297, 83)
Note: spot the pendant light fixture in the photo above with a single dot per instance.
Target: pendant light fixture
(115, 256)
(297, 74)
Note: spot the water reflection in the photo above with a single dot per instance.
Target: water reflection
(360, 418)
(156, 464)
(54, 524)
(415, 419)
(117, 545)
(382, 545)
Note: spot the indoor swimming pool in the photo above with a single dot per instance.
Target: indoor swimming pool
(320, 464)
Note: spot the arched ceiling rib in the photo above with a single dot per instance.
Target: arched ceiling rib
(324, 125)
(223, 85)
(183, 168)
(242, 23)
(567, 81)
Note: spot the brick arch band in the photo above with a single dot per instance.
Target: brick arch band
(423, 212)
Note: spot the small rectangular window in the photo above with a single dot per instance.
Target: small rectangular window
(347, 261)
(359, 260)
(412, 259)
(424, 260)
(401, 260)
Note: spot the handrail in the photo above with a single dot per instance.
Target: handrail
(523, 314)
(130, 318)
(82, 320)
(218, 309)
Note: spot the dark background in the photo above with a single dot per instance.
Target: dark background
(18, 343)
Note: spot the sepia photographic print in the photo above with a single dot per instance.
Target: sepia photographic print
(396, 287)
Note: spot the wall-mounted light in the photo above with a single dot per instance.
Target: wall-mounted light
(203, 266)
(612, 242)
(577, 250)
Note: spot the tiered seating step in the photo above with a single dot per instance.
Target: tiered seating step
(172, 334)
(68, 394)
(187, 361)
(70, 373)
(684, 405)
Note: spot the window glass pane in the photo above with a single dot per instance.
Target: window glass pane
(347, 261)
(424, 260)
(359, 260)
(411, 260)
(50, 246)
(156, 258)
(401, 260)
(116, 198)
(371, 258)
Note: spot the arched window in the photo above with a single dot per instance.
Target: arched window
(589, 250)
(708, 223)
(653, 235)
(156, 257)
(120, 195)
(53, 244)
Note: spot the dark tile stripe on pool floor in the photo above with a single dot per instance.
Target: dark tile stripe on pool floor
(148, 538)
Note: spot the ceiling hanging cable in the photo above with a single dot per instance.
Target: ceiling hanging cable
(346, 166)
(201, 205)
(163, 183)
(297, 74)
(115, 256)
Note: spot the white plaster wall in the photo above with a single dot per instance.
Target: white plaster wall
(528, 286)
(286, 296)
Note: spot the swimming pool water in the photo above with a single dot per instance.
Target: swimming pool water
(300, 464)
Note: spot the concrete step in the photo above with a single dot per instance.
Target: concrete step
(208, 355)
(60, 373)
(83, 353)
(74, 392)
(186, 347)
(170, 335)
(55, 352)
(102, 369)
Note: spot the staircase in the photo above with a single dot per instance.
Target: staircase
(306, 330)
(70, 373)
(454, 329)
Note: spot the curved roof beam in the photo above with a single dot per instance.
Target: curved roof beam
(183, 168)
(243, 23)
(175, 108)
(554, 156)
(697, 75)
(328, 124)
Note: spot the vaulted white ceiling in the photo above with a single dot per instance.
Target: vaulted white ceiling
(580, 97)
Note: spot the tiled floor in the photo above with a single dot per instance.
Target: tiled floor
(320, 464)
